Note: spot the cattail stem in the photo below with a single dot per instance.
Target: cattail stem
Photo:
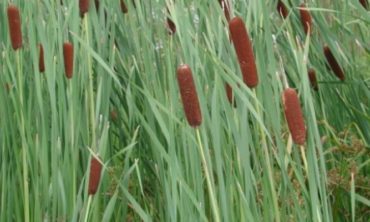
(23, 138)
(244, 51)
(209, 179)
(294, 116)
(15, 30)
(88, 208)
(335, 67)
(189, 95)
(304, 159)
(306, 19)
(266, 156)
(91, 89)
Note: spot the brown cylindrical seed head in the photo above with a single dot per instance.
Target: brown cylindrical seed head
(84, 6)
(294, 116)
(68, 59)
(123, 7)
(41, 59)
(171, 26)
(113, 115)
(364, 3)
(189, 95)
(333, 63)
(306, 19)
(312, 78)
(244, 51)
(225, 7)
(14, 22)
(94, 178)
(230, 94)
(282, 9)
(97, 4)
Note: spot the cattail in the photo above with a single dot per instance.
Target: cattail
(84, 6)
(41, 59)
(229, 94)
(68, 59)
(123, 7)
(312, 78)
(282, 9)
(189, 95)
(333, 63)
(97, 4)
(294, 116)
(7, 87)
(306, 19)
(244, 51)
(364, 3)
(94, 178)
(225, 7)
(113, 115)
(171, 26)
(14, 21)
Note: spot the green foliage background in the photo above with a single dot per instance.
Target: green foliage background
(155, 165)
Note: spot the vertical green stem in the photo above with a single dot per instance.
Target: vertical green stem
(24, 142)
(208, 179)
(91, 89)
(268, 164)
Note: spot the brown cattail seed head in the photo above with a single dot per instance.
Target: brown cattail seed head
(189, 95)
(84, 6)
(364, 3)
(113, 115)
(14, 21)
(333, 63)
(225, 7)
(171, 26)
(95, 172)
(294, 116)
(230, 94)
(41, 59)
(123, 7)
(306, 19)
(244, 51)
(312, 78)
(68, 59)
(282, 9)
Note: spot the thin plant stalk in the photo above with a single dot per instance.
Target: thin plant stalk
(208, 179)
(268, 162)
(91, 89)
(24, 143)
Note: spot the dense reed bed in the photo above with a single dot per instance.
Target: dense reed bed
(255, 126)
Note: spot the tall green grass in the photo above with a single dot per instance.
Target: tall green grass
(154, 162)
